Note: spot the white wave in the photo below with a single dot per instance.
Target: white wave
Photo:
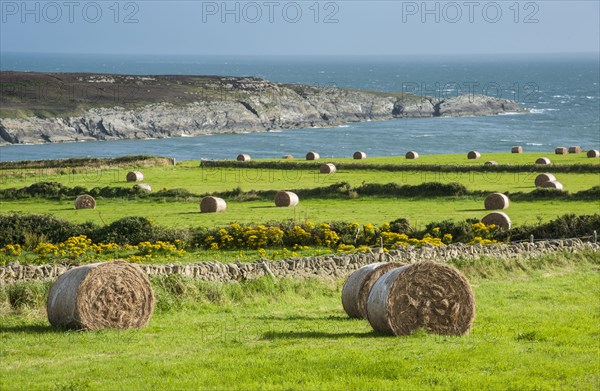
(590, 97)
(541, 111)
(511, 113)
(274, 131)
(343, 126)
(186, 135)
(536, 144)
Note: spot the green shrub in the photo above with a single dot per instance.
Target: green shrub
(18, 228)
(128, 230)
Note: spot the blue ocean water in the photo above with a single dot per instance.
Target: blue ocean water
(562, 92)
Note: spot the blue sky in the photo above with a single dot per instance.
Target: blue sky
(299, 27)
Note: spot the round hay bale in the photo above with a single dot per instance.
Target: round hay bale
(212, 204)
(593, 153)
(517, 149)
(490, 163)
(242, 157)
(85, 201)
(428, 295)
(554, 184)
(327, 168)
(499, 219)
(561, 151)
(135, 176)
(287, 157)
(312, 156)
(286, 198)
(575, 149)
(496, 201)
(142, 186)
(358, 286)
(545, 177)
(473, 155)
(358, 155)
(106, 295)
(543, 161)
(411, 155)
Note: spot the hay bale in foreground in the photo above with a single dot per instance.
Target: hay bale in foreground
(327, 168)
(490, 163)
(312, 156)
(554, 184)
(473, 155)
(517, 149)
(411, 155)
(358, 286)
(543, 161)
(593, 153)
(428, 295)
(499, 219)
(358, 155)
(242, 157)
(496, 201)
(561, 151)
(212, 204)
(575, 149)
(134, 176)
(85, 201)
(142, 186)
(107, 295)
(545, 177)
(286, 198)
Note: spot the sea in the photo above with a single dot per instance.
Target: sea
(562, 93)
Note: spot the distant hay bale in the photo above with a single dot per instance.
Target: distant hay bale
(575, 149)
(287, 157)
(545, 177)
(593, 153)
(561, 151)
(517, 149)
(359, 155)
(543, 161)
(312, 156)
(428, 295)
(135, 176)
(554, 184)
(107, 295)
(242, 157)
(212, 205)
(496, 201)
(473, 155)
(85, 201)
(490, 163)
(142, 186)
(358, 286)
(327, 168)
(286, 198)
(499, 219)
(411, 155)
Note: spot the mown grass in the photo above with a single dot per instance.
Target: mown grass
(537, 328)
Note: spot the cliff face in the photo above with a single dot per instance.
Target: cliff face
(217, 105)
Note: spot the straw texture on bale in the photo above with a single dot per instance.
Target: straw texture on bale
(543, 160)
(575, 149)
(107, 295)
(428, 295)
(286, 198)
(517, 149)
(411, 155)
(142, 186)
(212, 204)
(242, 157)
(593, 153)
(135, 176)
(552, 185)
(545, 177)
(358, 286)
(85, 201)
(496, 201)
(561, 151)
(473, 155)
(358, 155)
(312, 156)
(499, 219)
(287, 157)
(490, 163)
(327, 168)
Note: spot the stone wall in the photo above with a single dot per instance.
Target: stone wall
(332, 266)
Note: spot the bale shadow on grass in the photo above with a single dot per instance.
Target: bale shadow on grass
(304, 317)
(271, 335)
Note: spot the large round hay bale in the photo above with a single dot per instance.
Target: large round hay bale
(411, 155)
(107, 295)
(428, 295)
(499, 219)
(85, 201)
(554, 184)
(575, 149)
(287, 157)
(286, 198)
(490, 163)
(327, 168)
(358, 155)
(142, 186)
(473, 155)
(543, 161)
(135, 176)
(312, 156)
(561, 151)
(496, 201)
(517, 149)
(357, 287)
(212, 204)
(242, 157)
(593, 153)
(545, 177)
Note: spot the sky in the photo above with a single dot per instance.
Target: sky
(300, 27)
